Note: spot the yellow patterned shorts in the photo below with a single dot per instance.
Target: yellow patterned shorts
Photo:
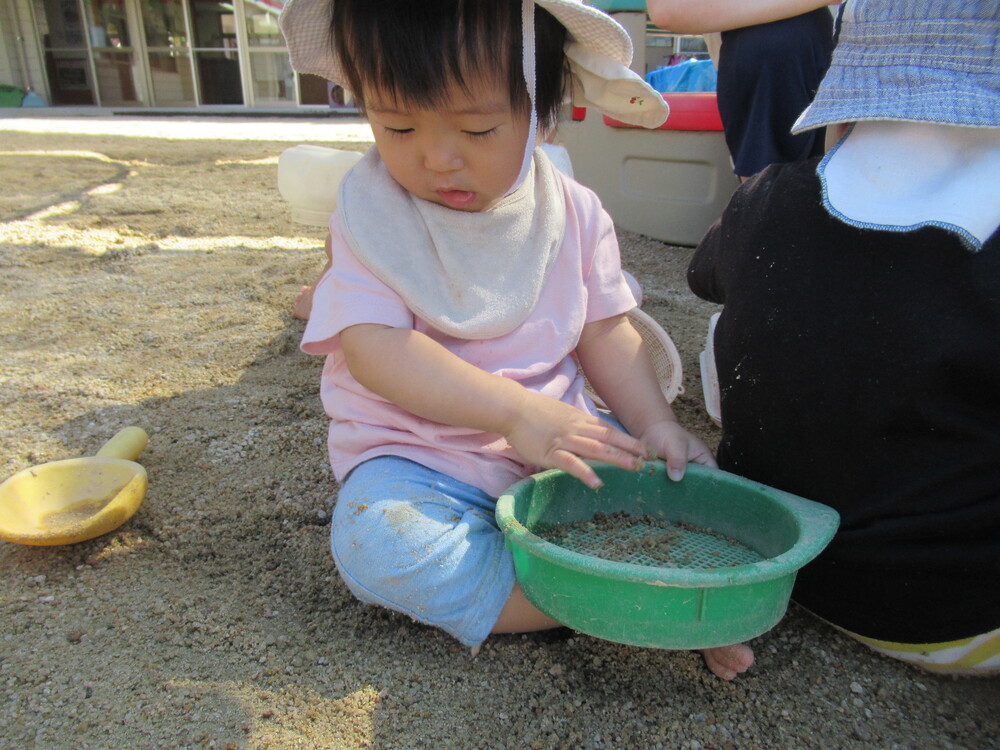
(972, 657)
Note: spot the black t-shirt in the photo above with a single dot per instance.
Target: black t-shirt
(768, 74)
(861, 369)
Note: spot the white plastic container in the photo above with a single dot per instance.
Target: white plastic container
(559, 156)
(309, 177)
(710, 374)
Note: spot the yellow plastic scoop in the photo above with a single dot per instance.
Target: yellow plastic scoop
(64, 502)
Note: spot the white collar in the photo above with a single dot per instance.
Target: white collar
(900, 176)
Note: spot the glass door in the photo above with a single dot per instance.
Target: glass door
(112, 52)
(60, 27)
(216, 52)
(271, 75)
(171, 70)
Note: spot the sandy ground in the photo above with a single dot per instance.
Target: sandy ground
(148, 281)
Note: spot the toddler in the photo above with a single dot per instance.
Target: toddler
(468, 278)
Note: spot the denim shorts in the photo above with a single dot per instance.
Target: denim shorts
(422, 543)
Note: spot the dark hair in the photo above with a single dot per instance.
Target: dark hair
(414, 49)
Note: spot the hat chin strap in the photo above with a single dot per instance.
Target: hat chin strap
(528, 66)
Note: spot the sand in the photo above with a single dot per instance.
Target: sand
(148, 281)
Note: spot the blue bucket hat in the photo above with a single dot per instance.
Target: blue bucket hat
(933, 61)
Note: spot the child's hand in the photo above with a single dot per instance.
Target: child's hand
(677, 446)
(555, 435)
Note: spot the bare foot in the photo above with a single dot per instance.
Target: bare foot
(728, 661)
(303, 303)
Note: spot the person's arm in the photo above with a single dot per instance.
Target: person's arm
(618, 366)
(703, 269)
(702, 16)
(419, 375)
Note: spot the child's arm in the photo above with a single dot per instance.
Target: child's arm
(617, 364)
(416, 373)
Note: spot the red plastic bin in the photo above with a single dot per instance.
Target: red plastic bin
(689, 110)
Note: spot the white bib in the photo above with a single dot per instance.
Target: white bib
(472, 275)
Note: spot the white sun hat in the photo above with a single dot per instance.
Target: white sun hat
(599, 51)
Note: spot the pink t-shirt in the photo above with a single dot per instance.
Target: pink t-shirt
(584, 285)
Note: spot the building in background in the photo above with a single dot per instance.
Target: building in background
(171, 54)
(154, 53)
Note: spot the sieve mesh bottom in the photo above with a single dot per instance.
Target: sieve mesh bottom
(656, 545)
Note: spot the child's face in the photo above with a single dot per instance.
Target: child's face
(464, 155)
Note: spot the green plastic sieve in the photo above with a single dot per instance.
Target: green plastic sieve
(739, 546)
